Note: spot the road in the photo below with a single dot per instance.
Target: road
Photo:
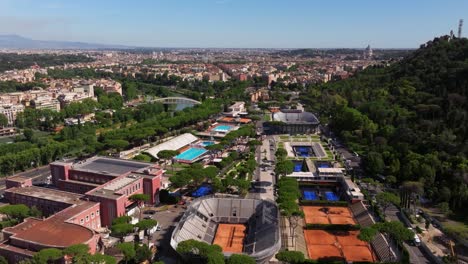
(416, 254)
(264, 177)
(167, 219)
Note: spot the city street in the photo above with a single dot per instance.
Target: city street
(167, 220)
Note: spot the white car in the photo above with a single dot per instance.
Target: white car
(416, 239)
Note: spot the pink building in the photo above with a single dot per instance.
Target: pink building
(91, 194)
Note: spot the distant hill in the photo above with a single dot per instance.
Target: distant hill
(409, 120)
(19, 42)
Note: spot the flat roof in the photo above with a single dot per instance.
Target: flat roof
(118, 184)
(330, 170)
(110, 165)
(47, 194)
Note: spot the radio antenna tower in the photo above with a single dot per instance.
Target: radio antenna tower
(460, 26)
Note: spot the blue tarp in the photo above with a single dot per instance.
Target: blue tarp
(202, 191)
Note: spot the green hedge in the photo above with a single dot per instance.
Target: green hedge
(332, 227)
(324, 203)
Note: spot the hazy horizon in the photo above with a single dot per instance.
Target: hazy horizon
(233, 23)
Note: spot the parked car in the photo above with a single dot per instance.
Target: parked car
(416, 240)
(149, 212)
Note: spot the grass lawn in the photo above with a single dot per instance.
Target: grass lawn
(267, 117)
(456, 228)
(4, 140)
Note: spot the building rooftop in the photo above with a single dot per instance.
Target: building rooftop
(47, 194)
(110, 166)
(173, 144)
(330, 170)
(53, 231)
(122, 182)
(295, 117)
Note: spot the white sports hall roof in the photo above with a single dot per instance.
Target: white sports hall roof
(173, 144)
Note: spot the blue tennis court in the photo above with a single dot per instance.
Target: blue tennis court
(331, 196)
(191, 154)
(309, 195)
(222, 128)
(202, 191)
(303, 151)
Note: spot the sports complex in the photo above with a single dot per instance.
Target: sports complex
(237, 225)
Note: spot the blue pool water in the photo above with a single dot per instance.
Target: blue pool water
(310, 195)
(331, 196)
(324, 166)
(207, 143)
(202, 191)
(191, 154)
(222, 128)
(303, 151)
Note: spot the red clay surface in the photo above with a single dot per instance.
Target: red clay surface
(230, 237)
(337, 245)
(335, 215)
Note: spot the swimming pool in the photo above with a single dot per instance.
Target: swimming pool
(222, 128)
(191, 154)
(207, 143)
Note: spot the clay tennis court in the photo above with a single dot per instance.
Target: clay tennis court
(337, 245)
(230, 237)
(328, 215)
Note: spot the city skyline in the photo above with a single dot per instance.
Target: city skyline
(233, 24)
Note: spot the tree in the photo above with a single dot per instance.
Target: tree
(444, 208)
(284, 167)
(395, 229)
(125, 219)
(3, 260)
(240, 259)
(77, 252)
(122, 229)
(167, 154)
(292, 257)
(142, 253)
(3, 120)
(411, 191)
(385, 199)
(140, 199)
(46, 255)
(281, 154)
(194, 250)
(15, 211)
(28, 134)
(145, 225)
(367, 234)
(128, 250)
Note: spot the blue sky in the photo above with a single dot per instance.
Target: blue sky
(235, 23)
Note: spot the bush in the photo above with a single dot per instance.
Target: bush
(324, 203)
(292, 257)
(332, 227)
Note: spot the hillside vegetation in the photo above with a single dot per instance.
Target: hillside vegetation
(409, 120)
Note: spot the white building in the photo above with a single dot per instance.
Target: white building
(11, 111)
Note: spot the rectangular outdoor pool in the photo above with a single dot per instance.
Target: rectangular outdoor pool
(191, 154)
(222, 128)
